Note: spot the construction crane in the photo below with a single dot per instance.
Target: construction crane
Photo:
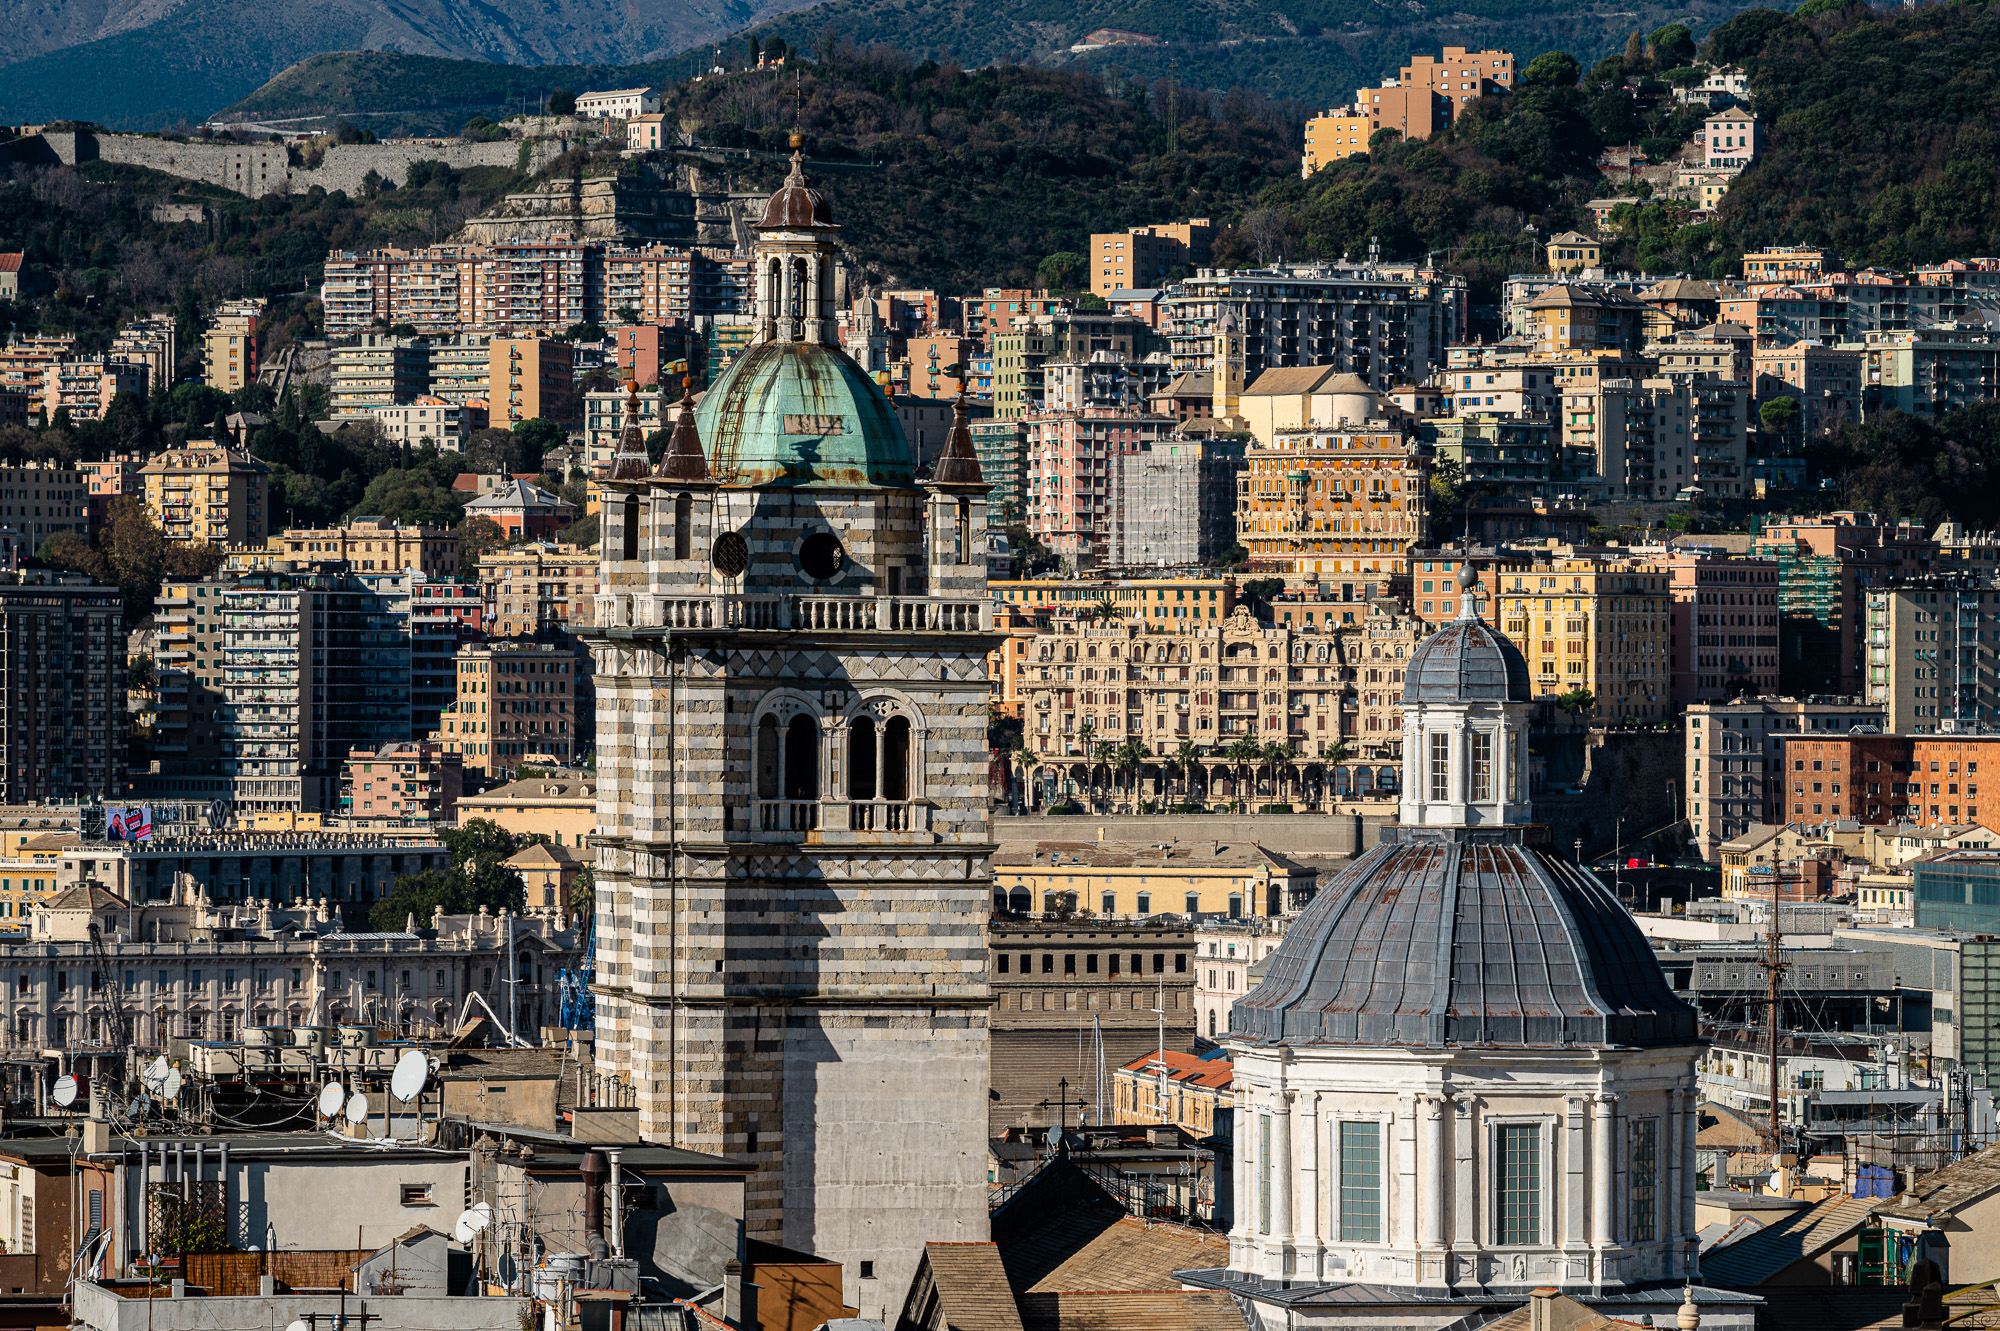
(121, 1021)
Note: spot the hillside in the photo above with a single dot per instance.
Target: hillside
(971, 179)
(205, 54)
(1317, 51)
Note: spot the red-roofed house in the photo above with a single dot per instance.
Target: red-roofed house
(522, 509)
(10, 276)
(1171, 1087)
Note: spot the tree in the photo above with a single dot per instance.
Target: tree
(1184, 760)
(477, 536)
(1778, 415)
(1127, 759)
(1552, 69)
(626, 315)
(562, 102)
(1266, 229)
(477, 877)
(584, 332)
(413, 497)
(537, 435)
(1635, 53)
(1276, 755)
(1744, 35)
(1065, 270)
(1672, 45)
(1264, 589)
(1577, 701)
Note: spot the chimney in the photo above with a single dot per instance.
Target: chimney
(617, 1202)
(1541, 1304)
(593, 1172)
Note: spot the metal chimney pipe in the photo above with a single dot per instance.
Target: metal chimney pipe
(617, 1201)
(594, 1171)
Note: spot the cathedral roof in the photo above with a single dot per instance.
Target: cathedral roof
(802, 414)
(796, 204)
(1430, 941)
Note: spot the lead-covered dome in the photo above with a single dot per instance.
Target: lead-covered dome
(1434, 941)
(802, 413)
(1466, 660)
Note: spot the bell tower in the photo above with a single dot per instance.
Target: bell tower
(794, 262)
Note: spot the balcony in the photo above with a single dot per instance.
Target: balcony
(822, 614)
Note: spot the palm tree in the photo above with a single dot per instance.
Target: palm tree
(1245, 752)
(1276, 755)
(1184, 759)
(1126, 759)
(1100, 757)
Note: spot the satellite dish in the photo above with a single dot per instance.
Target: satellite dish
(331, 1096)
(471, 1221)
(170, 1089)
(357, 1108)
(65, 1091)
(296, 1326)
(407, 1082)
(155, 1075)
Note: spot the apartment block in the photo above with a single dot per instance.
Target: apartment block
(1825, 381)
(530, 377)
(229, 345)
(1573, 317)
(999, 309)
(1572, 252)
(1600, 624)
(1390, 325)
(108, 481)
(208, 494)
(24, 366)
(1879, 778)
(518, 700)
(1180, 504)
(39, 500)
(442, 614)
(1002, 447)
(1725, 625)
(1934, 655)
(1142, 256)
(189, 619)
(1075, 494)
(1826, 565)
(458, 365)
(1735, 760)
(1335, 507)
(1929, 372)
(425, 423)
(1021, 352)
(1414, 113)
(1341, 133)
(314, 666)
(1732, 138)
(154, 342)
(646, 353)
(373, 544)
(377, 370)
(84, 386)
(1639, 431)
(1460, 75)
(538, 589)
(604, 421)
(62, 689)
(416, 783)
(1159, 603)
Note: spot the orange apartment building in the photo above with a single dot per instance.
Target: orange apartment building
(1931, 780)
(1141, 257)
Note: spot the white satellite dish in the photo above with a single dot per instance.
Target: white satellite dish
(296, 1326)
(407, 1082)
(65, 1091)
(357, 1108)
(170, 1089)
(155, 1075)
(471, 1221)
(331, 1097)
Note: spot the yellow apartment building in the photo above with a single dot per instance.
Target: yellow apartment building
(1234, 879)
(529, 377)
(373, 544)
(229, 346)
(1340, 133)
(1585, 623)
(207, 494)
(1334, 506)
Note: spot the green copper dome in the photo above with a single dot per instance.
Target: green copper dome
(801, 413)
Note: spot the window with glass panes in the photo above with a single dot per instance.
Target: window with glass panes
(1645, 1179)
(1440, 768)
(1361, 1182)
(1520, 1183)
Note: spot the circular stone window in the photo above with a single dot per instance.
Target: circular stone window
(820, 556)
(731, 554)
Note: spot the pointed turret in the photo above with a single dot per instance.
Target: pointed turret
(959, 463)
(684, 460)
(631, 462)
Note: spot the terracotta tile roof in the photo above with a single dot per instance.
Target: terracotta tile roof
(972, 1287)
(1164, 1310)
(1133, 1255)
(10, 263)
(1723, 1129)
(1188, 1070)
(1291, 380)
(1943, 1192)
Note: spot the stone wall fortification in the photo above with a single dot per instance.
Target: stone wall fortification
(257, 169)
